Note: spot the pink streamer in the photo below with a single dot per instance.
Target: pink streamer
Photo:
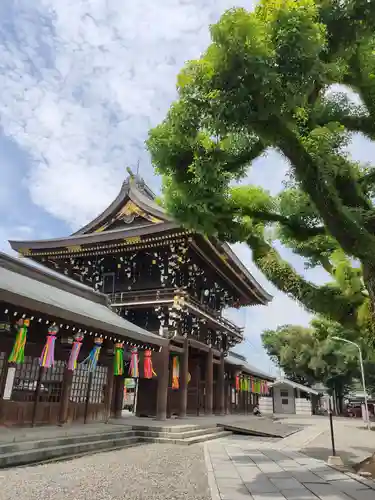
(47, 358)
(74, 353)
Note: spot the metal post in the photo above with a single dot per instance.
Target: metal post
(364, 388)
(362, 375)
(331, 426)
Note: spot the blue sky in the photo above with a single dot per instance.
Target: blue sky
(82, 81)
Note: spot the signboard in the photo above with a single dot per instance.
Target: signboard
(9, 383)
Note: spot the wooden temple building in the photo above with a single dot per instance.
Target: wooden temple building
(150, 296)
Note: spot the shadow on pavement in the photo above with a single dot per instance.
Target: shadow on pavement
(348, 457)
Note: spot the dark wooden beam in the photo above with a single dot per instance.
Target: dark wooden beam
(209, 382)
(184, 373)
(162, 391)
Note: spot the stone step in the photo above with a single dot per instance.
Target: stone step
(63, 451)
(24, 446)
(187, 441)
(172, 429)
(63, 446)
(150, 432)
(11, 435)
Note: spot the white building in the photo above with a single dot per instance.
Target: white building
(288, 398)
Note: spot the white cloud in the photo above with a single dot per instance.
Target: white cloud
(84, 82)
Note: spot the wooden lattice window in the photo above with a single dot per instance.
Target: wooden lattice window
(79, 384)
(53, 382)
(2, 361)
(99, 382)
(25, 380)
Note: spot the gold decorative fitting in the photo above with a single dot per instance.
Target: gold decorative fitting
(73, 248)
(132, 240)
(24, 251)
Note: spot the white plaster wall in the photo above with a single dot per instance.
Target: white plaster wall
(303, 407)
(284, 399)
(266, 404)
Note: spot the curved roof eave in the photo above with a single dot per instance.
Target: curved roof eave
(93, 238)
(128, 190)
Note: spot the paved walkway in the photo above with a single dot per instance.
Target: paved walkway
(243, 468)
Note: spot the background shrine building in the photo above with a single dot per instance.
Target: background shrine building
(173, 284)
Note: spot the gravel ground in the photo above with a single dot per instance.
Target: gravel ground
(152, 472)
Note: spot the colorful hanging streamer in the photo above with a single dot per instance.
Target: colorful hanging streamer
(74, 353)
(237, 383)
(18, 352)
(247, 384)
(242, 384)
(148, 370)
(134, 363)
(118, 368)
(92, 359)
(257, 387)
(47, 358)
(175, 372)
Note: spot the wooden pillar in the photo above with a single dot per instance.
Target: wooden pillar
(7, 367)
(198, 379)
(42, 371)
(65, 396)
(209, 382)
(109, 391)
(227, 396)
(221, 385)
(118, 395)
(163, 379)
(184, 373)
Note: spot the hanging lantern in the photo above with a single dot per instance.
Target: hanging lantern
(175, 372)
(92, 359)
(134, 363)
(74, 353)
(47, 358)
(118, 368)
(18, 352)
(148, 370)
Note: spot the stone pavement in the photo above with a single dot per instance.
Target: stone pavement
(242, 468)
(354, 442)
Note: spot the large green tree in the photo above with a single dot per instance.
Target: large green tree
(310, 355)
(263, 82)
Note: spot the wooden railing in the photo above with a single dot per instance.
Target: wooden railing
(141, 295)
(167, 294)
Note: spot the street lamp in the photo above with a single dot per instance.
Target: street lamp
(362, 374)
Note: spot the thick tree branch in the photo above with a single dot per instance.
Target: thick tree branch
(367, 180)
(324, 300)
(354, 238)
(234, 163)
(296, 229)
